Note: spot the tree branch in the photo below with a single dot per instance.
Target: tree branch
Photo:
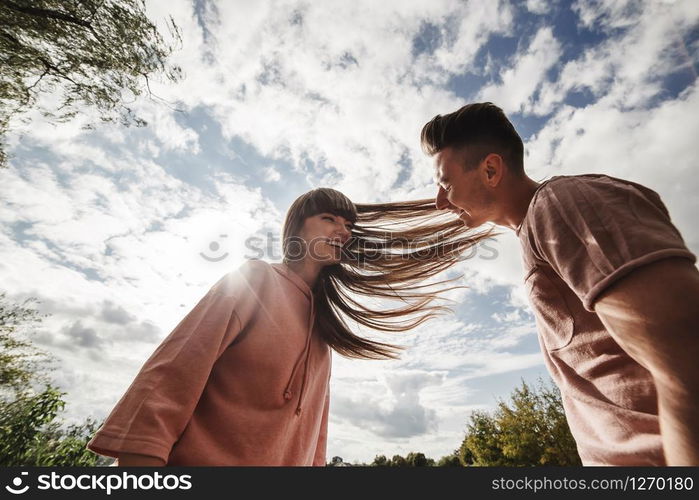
(94, 12)
(53, 14)
(11, 38)
(40, 78)
(152, 95)
(51, 67)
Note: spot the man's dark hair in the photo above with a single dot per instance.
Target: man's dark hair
(483, 127)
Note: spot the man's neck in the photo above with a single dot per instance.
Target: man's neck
(517, 202)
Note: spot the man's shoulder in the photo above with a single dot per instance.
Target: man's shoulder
(564, 190)
(577, 206)
(574, 182)
(565, 202)
(552, 190)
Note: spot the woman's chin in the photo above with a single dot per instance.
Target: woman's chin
(332, 261)
(326, 260)
(335, 259)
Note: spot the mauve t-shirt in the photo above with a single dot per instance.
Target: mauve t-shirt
(581, 234)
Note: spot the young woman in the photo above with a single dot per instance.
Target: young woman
(243, 379)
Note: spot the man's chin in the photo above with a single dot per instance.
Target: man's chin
(469, 222)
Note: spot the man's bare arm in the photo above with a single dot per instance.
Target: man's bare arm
(653, 313)
(136, 460)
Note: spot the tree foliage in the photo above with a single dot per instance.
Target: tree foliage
(380, 461)
(31, 434)
(418, 459)
(412, 459)
(529, 430)
(20, 362)
(449, 461)
(99, 53)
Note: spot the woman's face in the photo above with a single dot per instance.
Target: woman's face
(324, 235)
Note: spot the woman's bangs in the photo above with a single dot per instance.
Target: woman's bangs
(329, 200)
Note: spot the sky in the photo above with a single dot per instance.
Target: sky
(118, 232)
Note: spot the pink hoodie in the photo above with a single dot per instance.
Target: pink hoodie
(242, 380)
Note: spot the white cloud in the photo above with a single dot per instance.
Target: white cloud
(162, 121)
(648, 147)
(272, 174)
(422, 401)
(393, 412)
(627, 68)
(527, 74)
(538, 6)
(477, 21)
(608, 14)
(286, 83)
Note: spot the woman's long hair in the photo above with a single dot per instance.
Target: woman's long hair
(393, 247)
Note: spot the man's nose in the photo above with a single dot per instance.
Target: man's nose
(441, 201)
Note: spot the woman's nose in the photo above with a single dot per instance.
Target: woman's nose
(345, 234)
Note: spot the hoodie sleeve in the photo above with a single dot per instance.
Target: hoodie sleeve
(154, 411)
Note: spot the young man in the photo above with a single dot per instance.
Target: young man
(612, 284)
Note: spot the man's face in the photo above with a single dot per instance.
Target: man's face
(462, 191)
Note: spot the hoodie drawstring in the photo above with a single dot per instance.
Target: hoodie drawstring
(305, 355)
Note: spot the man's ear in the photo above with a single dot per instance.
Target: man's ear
(493, 169)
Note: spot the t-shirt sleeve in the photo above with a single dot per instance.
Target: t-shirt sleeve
(154, 411)
(595, 231)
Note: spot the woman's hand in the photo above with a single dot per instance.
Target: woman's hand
(136, 460)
